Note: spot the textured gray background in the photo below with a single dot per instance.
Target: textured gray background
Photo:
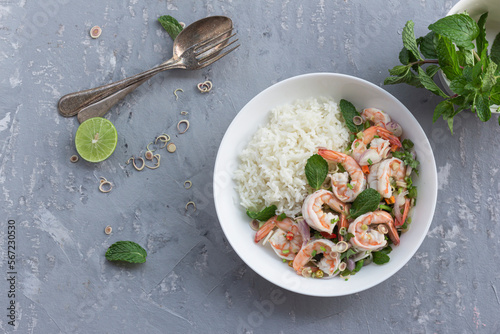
(193, 281)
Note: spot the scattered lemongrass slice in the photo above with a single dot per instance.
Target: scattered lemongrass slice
(343, 231)
(254, 225)
(267, 238)
(135, 166)
(342, 266)
(191, 203)
(290, 263)
(184, 121)
(307, 272)
(357, 120)
(205, 87)
(342, 246)
(175, 93)
(345, 277)
(73, 158)
(171, 147)
(189, 184)
(383, 229)
(157, 157)
(147, 147)
(108, 230)
(164, 138)
(184, 113)
(105, 183)
(95, 32)
(183, 25)
(149, 155)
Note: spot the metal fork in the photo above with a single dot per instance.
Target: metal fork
(198, 45)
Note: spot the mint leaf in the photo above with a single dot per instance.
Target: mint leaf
(127, 251)
(443, 108)
(482, 107)
(316, 170)
(399, 70)
(409, 41)
(489, 79)
(495, 94)
(428, 45)
(380, 258)
(431, 70)
(386, 250)
(461, 29)
(264, 214)
(359, 265)
(367, 201)
(481, 42)
(495, 50)
(349, 112)
(429, 84)
(457, 85)
(171, 25)
(447, 57)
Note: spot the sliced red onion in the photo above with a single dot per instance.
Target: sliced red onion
(304, 230)
(350, 264)
(395, 128)
(360, 255)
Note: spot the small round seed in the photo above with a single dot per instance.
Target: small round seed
(95, 31)
(73, 158)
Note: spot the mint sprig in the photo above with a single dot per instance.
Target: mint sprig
(457, 46)
(127, 251)
(171, 25)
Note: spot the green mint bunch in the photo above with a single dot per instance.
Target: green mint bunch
(457, 46)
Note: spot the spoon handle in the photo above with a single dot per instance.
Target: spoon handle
(71, 104)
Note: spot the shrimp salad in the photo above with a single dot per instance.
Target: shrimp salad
(359, 202)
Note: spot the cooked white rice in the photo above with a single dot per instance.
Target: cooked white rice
(271, 170)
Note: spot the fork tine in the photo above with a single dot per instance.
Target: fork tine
(216, 56)
(205, 55)
(212, 46)
(210, 40)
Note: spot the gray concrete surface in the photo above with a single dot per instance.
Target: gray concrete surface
(193, 282)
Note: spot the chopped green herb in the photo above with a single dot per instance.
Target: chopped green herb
(370, 162)
(285, 251)
(323, 249)
(359, 265)
(376, 136)
(334, 220)
(284, 260)
(313, 254)
(385, 207)
(348, 237)
(281, 217)
(380, 258)
(350, 186)
(347, 253)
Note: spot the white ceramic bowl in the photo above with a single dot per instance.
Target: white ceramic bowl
(475, 8)
(232, 216)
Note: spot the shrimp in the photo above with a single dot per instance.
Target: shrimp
(312, 210)
(377, 116)
(344, 190)
(379, 147)
(329, 264)
(390, 169)
(366, 237)
(286, 240)
(401, 208)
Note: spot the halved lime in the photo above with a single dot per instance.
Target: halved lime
(96, 139)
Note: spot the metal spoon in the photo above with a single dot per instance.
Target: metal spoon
(198, 45)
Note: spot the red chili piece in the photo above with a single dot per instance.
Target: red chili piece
(289, 236)
(328, 235)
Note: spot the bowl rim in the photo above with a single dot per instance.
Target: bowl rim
(379, 90)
